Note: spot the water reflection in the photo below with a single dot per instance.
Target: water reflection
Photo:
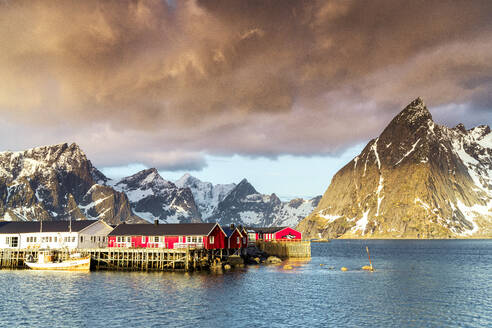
(415, 284)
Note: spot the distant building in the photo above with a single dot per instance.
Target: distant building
(185, 235)
(273, 233)
(234, 238)
(244, 233)
(54, 234)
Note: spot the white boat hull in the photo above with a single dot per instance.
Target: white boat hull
(82, 264)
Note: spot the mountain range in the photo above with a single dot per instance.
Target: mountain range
(417, 179)
(58, 183)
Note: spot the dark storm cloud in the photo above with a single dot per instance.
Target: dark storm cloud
(163, 82)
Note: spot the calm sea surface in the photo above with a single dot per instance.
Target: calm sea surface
(417, 284)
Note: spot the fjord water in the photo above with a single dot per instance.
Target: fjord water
(435, 283)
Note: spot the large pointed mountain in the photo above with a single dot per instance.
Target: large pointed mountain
(243, 205)
(57, 183)
(152, 197)
(416, 180)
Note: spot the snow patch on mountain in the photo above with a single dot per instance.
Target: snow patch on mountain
(207, 196)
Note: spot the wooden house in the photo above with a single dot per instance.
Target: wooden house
(244, 233)
(274, 233)
(171, 236)
(54, 234)
(233, 237)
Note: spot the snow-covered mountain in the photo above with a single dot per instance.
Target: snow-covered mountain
(207, 196)
(152, 197)
(57, 182)
(243, 205)
(416, 180)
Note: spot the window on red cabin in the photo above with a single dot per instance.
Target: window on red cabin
(211, 239)
(156, 239)
(238, 240)
(143, 239)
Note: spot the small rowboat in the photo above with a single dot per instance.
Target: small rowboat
(45, 262)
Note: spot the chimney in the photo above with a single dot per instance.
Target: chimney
(156, 222)
(232, 226)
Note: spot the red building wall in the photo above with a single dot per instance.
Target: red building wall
(169, 241)
(288, 233)
(232, 241)
(219, 239)
(244, 239)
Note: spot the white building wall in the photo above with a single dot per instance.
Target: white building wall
(5, 244)
(51, 240)
(95, 235)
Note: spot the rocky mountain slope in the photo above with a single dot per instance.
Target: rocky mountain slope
(243, 205)
(416, 180)
(57, 182)
(151, 197)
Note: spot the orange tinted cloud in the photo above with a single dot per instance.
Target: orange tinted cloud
(169, 81)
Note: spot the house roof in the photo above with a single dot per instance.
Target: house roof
(228, 231)
(178, 229)
(48, 226)
(266, 229)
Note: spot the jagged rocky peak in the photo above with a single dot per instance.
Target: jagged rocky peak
(243, 189)
(417, 179)
(56, 182)
(189, 181)
(145, 179)
(152, 197)
(415, 118)
(479, 132)
(414, 114)
(244, 205)
(39, 159)
(460, 128)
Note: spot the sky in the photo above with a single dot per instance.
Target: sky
(282, 93)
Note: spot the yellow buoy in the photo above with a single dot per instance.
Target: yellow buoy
(367, 267)
(344, 269)
(288, 267)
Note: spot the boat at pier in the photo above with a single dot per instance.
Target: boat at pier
(46, 262)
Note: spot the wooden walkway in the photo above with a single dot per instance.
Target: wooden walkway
(130, 259)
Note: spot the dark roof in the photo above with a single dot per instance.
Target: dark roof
(266, 229)
(48, 226)
(167, 229)
(228, 231)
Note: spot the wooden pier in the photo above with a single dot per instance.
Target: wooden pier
(286, 249)
(129, 259)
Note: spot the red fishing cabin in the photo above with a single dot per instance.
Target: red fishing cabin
(276, 233)
(171, 236)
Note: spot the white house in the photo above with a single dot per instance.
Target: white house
(54, 234)
(94, 235)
